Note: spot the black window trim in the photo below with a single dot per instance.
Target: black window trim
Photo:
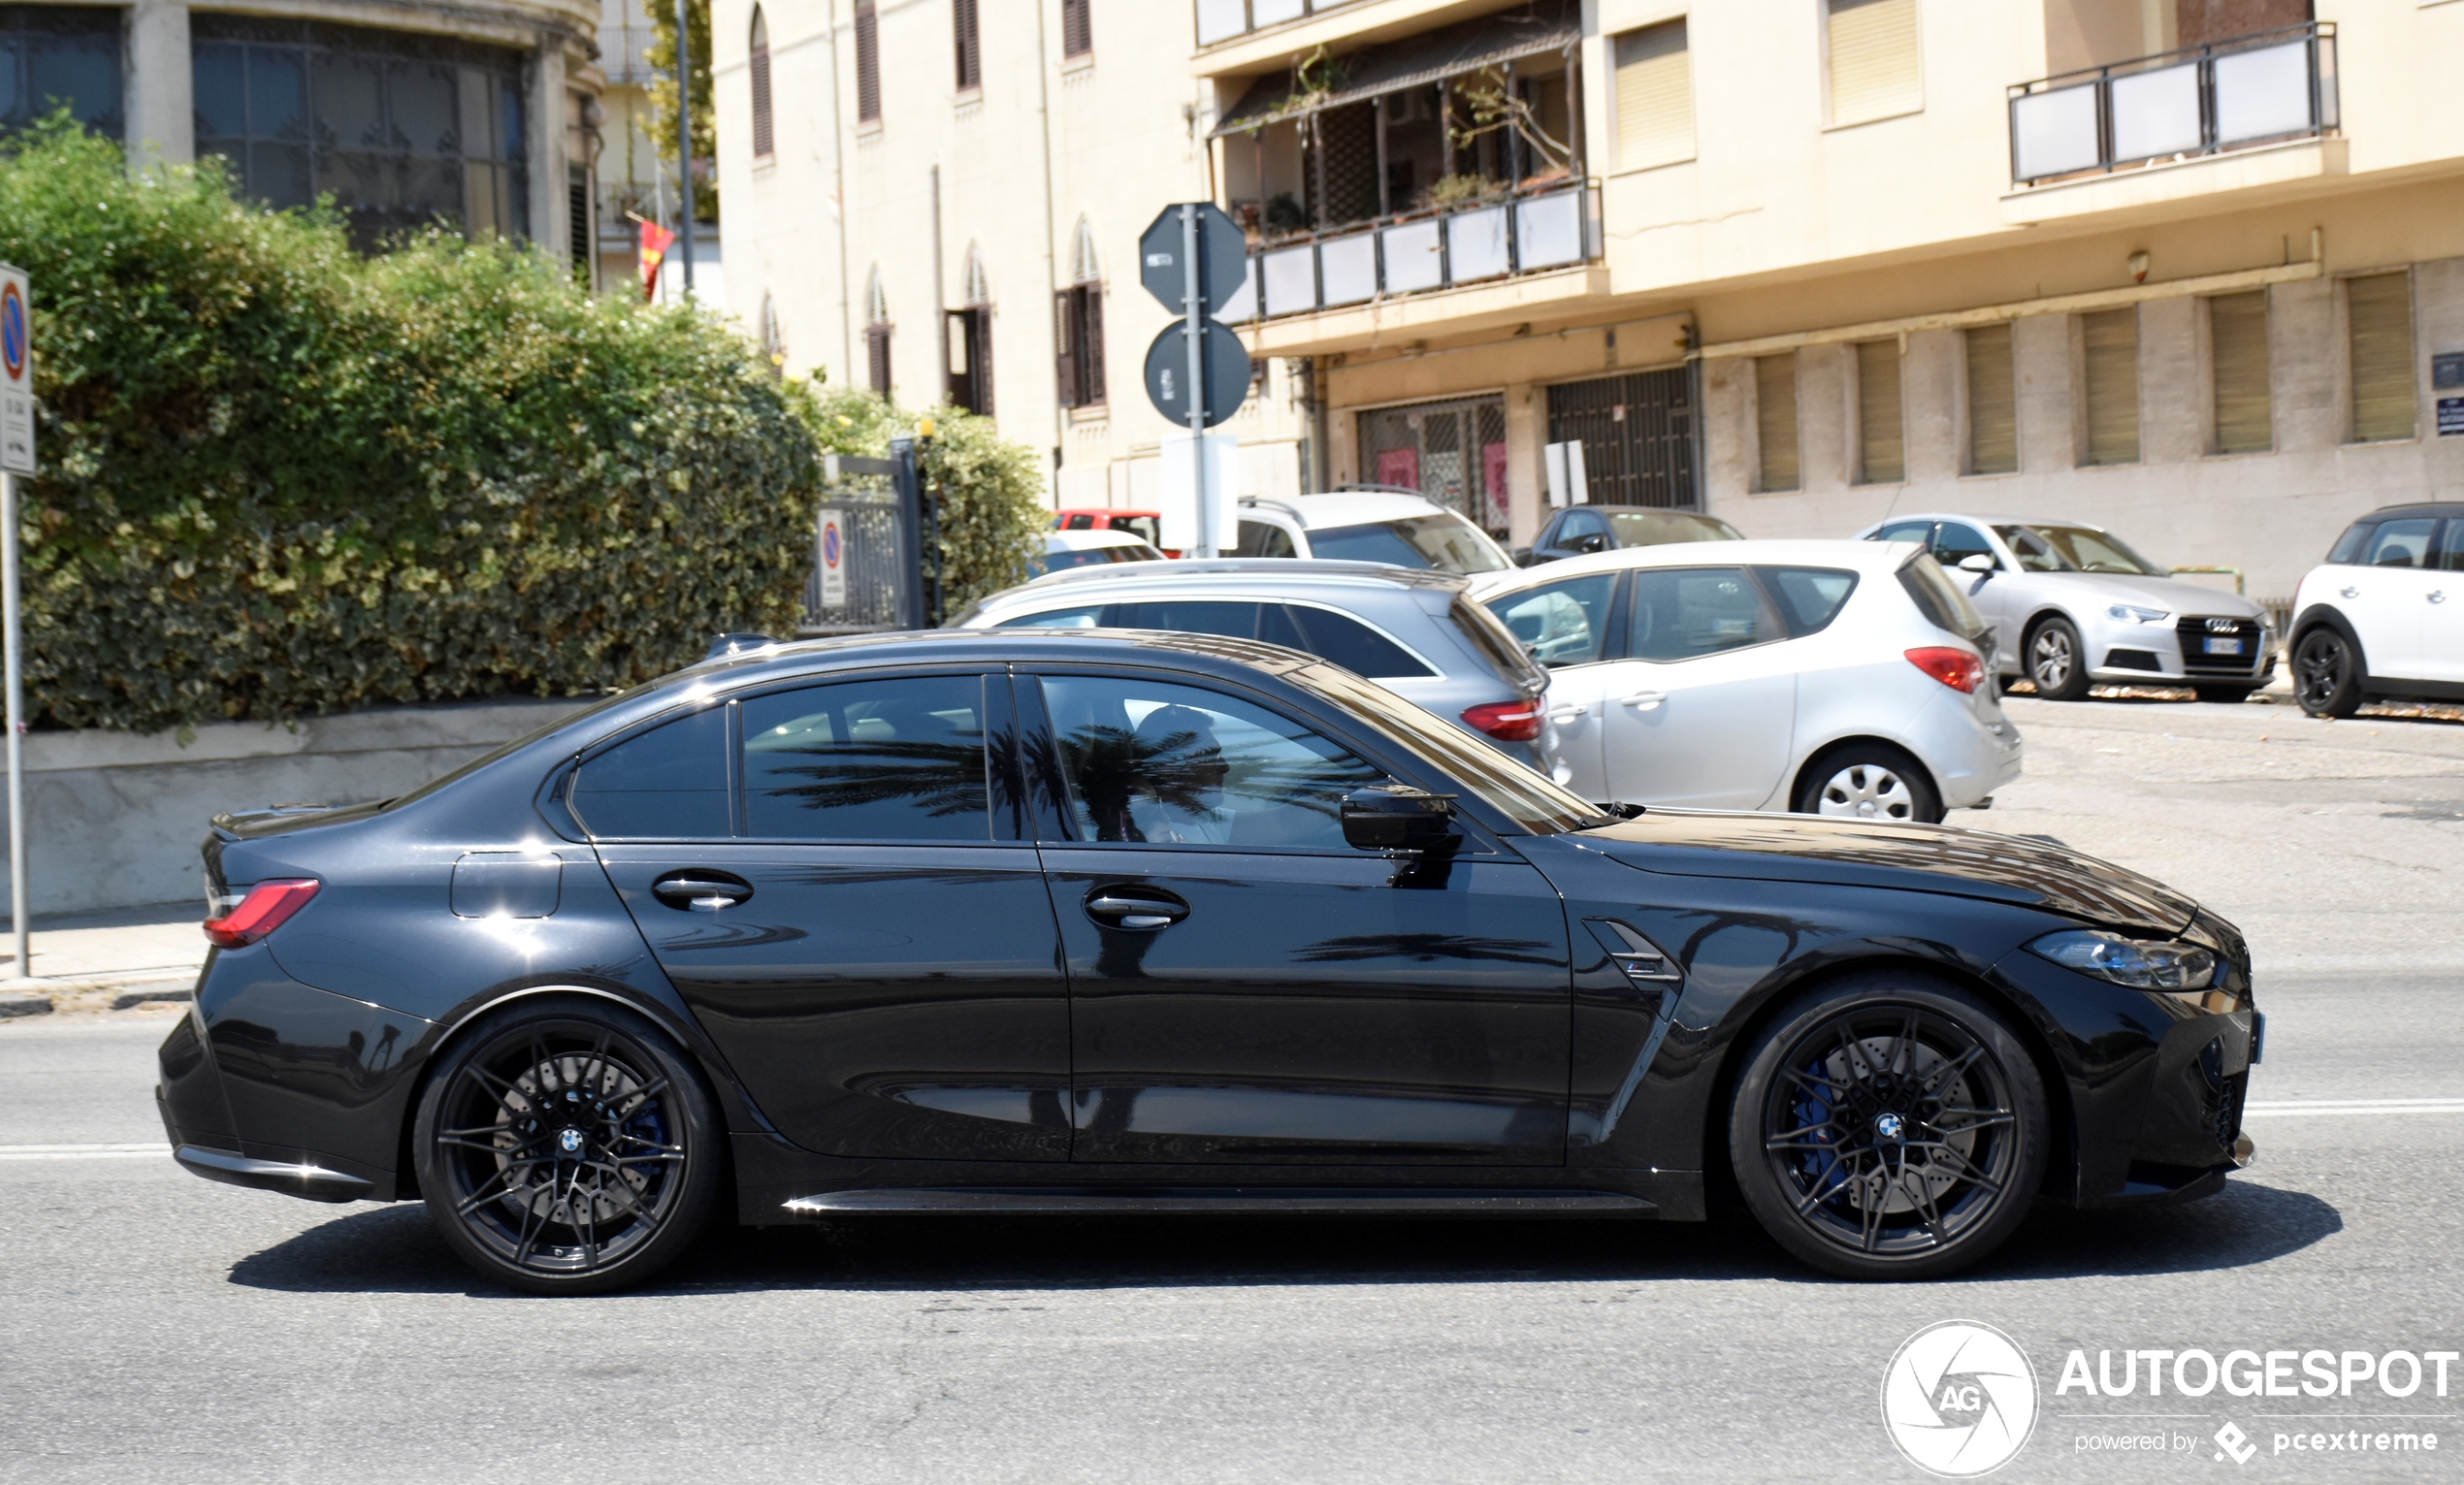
(1612, 644)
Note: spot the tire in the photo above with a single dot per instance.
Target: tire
(2230, 694)
(1869, 781)
(2055, 660)
(1889, 1126)
(641, 1143)
(2327, 673)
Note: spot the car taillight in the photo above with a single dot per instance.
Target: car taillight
(268, 906)
(1507, 721)
(1958, 669)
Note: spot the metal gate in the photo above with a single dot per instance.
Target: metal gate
(1637, 436)
(878, 504)
(1452, 452)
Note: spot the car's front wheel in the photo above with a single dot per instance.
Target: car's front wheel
(1889, 1125)
(2326, 674)
(2056, 662)
(568, 1147)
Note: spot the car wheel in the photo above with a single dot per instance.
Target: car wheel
(2233, 694)
(1868, 782)
(2326, 674)
(2056, 662)
(568, 1147)
(1890, 1127)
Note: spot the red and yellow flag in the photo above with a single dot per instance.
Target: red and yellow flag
(655, 243)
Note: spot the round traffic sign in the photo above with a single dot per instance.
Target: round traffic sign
(1225, 366)
(832, 545)
(13, 331)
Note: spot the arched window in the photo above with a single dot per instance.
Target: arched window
(762, 143)
(970, 332)
(773, 336)
(877, 333)
(1078, 325)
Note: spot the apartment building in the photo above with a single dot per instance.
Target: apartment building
(2191, 267)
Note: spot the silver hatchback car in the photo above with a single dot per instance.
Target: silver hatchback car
(1411, 631)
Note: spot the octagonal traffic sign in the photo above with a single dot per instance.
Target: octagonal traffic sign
(1223, 259)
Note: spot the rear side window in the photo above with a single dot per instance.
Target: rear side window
(1685, 613)
(1561, 624)
(1340, 638)
(2352, 544)
(1939, 599)
(868, 760)
(1258, 538)
(2401, 544)
(1089, 617)
(1808, 598)
(669, 782)
(1904, 530)
(1496, 643)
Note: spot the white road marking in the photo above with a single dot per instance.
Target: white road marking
(84, 1151)
(2321, 1107)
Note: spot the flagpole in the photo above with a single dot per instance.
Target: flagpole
(684, 134)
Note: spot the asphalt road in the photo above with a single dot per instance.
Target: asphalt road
(159, 1328)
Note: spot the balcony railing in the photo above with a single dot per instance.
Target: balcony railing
(1220, 21)
(624, 53)
(1528, 232)
(2228, 95)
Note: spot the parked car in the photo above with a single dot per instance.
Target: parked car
(2073, 605)
(1367, 526)
(1412, 631)
(1066, 550)
(1825, 677)
(1144, 525)
(2383, 615)
(1578, 530)
(1043, 920)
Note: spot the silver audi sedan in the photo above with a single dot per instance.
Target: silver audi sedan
(2072, 605)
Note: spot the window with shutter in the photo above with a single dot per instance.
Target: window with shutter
(1077, 27)
(2385, 394)
(868, 63)
(1881, 437)
(1871, 47)
(1775, 419)
(1090, 341)
(757, 70)
(963, 16)
(1992, 403)
(970, 333)
(2111, 342)
(1655, 97)
(2237, 351)
(1065, 347)
(877, 357)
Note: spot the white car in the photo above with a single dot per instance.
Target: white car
(2384, 614)
(1401, 530)
(1064, 550)
(1825, 677)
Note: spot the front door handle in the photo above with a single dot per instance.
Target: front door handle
(2438, 594)
(1643, 700)
(2349, 592)
(1135, 907)
(701, 891)
(1564, 714)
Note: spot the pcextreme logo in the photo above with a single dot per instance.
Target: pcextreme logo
(1958, 1398)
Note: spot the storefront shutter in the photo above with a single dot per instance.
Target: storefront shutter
(1992, 403)
(1775, 419)
(2385, 397)
(2237, 349)
(1655, 97)
(1881, 437)
(2112, 373)
(1874, 70)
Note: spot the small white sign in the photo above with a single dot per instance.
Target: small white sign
(17, 373)
(833, 558)
(1176, 497)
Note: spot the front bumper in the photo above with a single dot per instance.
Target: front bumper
(2182, 653)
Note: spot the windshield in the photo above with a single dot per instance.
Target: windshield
(1655, 528)
(1523, 794)
(2085, 549)
(1445, 541)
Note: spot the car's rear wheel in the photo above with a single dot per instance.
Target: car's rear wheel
(1868, 781)
(568, 1147)
(1889, 1125)
(2056, 662)
(2326, 674)
(2232, 694)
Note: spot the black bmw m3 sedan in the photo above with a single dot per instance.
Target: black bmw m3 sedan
(1073, 922)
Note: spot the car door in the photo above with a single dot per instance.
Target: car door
(1565, 626)
(835, 878)
(1702, 710)
(1245, 987)
(2387, 596)
(2443, 608)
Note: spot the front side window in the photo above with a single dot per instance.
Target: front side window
(1157, 763)
(1561, 624)
(1089, 617)
(669, 782)
(2401, 544)
(1443, 541)
(891, 759)
(2094, 551)
(1685, 613)
(2352, 544)
(1904, 530)
(2036, 554)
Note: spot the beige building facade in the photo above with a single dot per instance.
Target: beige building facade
(2193, 269)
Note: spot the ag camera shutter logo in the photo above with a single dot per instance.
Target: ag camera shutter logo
(1960, 1399)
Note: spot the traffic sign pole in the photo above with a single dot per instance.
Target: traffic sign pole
(1193, 311)
(17, 457)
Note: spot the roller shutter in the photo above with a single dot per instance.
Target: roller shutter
(1881, 435)
(1873, 54)
(1655, 97)
(1775, 419)
(1992, 403)
(2385, 398)
(2112, 345)
(2237, 350)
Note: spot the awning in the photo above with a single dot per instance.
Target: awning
(1538, 26)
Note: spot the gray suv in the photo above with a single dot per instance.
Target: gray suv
(1411, 631)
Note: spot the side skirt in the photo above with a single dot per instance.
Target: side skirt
(1154, 1201)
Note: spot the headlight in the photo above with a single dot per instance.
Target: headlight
(2137, 963)
(2132, 613)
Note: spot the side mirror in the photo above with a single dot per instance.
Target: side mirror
(1396, 817)
(1976, 561)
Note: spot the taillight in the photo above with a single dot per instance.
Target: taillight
(1507, 721)
(1958, 669)
(268, 906)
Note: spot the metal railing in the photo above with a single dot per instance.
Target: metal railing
(1505, 237)
(624, 53)
(2251, 90)
(1220, 21)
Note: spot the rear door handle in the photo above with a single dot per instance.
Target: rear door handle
(1135, 907)
(1643, 700)
(1564, 714)
(704, 891)
(2438, 594)
(2349, 592)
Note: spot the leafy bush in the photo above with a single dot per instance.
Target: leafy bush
(280, 480)
(992, 515)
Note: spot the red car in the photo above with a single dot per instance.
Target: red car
(1144, 525)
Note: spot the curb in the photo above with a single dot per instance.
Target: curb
(130, 999)
(13, 1003)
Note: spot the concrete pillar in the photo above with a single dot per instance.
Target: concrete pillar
(1826, 418)
(2173, 402)
(1526, 434)
(2048, 438)
(158, 90)
(1929, 393)
(2304, 365)
(1730, 451)
(546, 134)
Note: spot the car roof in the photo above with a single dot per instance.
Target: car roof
(1237, 577)
(1867, 557)
(1343, 507)
(2416, 508)
(1643, 510)
(1081, 541)
(1105, 511)
(1974, 518)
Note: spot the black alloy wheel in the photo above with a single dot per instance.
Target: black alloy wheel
(1889, 1127)
(2232, 696)
(2056, 662)
(568, 1147)
(2326, 674)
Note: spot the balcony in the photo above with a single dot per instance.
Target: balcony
(2251, 92)
(624, 54)
(1224, 20)
(1518, 233)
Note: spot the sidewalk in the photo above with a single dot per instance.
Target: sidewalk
(112, 961)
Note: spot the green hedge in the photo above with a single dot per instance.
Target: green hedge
(280, 480)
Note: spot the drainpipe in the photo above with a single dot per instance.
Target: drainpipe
(1052, 263)
(838, 188)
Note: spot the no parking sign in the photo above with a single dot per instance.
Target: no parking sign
(833, 558)
(17, 374)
